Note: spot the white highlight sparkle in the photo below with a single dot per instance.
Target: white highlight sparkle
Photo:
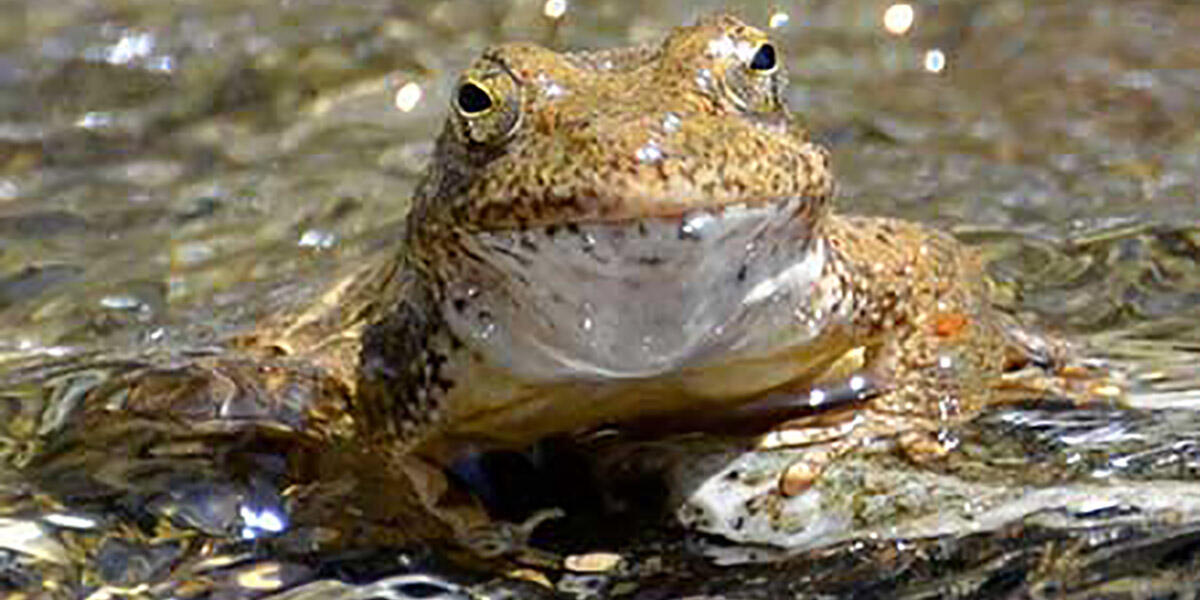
(318, 238)
(898, 18)
(69, 521)
(95, 120)
(803, 272)
(131, 47)
(720, 47)
(671, 122)
(408, 96)
(858, 383)
(935, 61)
(650, 152)
(816, 397)
(255, 522)
(554, 9)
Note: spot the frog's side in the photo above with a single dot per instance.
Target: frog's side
(622, 235)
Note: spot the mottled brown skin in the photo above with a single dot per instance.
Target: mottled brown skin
(552, 160)
(562, 143)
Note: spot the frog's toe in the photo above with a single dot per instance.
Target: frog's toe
(923, 447)
(1080, 384)
(1091, 383)
(501, 539)
(823, 436)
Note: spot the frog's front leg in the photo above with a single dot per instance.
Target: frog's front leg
(936, 350)
(945, 369)
(402, 499)
(468, 524)
(402, 406)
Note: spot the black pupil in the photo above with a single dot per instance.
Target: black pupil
(472, 98)
(764, 59)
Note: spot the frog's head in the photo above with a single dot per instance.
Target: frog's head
(625, 213)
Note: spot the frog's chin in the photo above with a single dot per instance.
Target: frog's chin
(642, 298)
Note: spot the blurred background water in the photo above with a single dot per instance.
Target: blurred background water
(172, 171)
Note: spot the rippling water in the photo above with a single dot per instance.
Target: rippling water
(171, 172)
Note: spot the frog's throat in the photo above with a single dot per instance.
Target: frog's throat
(641, 298)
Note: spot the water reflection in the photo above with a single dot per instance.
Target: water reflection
(935, 61)
(408, 96)
(899, 18)
(555, 9)
(133, 48)
(1036, 168)
(95, 120)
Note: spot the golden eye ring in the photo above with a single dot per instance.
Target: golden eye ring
(488, 106)
(473, 99)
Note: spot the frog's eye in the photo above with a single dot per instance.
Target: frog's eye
(755, 84)
(487, 104)
(472, 99)
(763, 60)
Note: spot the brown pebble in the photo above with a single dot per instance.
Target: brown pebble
(263, 577)
(532, 576)
(592, 562)
(798, 477)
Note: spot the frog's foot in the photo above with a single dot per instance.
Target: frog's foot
(1080, 383)
(500, 539)
(466, 520)
(891, 420)
(836, 434)
(1040, 367)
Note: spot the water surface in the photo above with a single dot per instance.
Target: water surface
(171, 172)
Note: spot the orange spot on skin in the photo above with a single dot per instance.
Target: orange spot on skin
(949, 325)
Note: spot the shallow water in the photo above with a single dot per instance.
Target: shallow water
(169, 173)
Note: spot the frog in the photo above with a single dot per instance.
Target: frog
(639, 236)
(646, 234)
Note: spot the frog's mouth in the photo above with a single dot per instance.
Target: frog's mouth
(642, 297)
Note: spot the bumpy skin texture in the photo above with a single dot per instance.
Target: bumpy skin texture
(563, 148)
